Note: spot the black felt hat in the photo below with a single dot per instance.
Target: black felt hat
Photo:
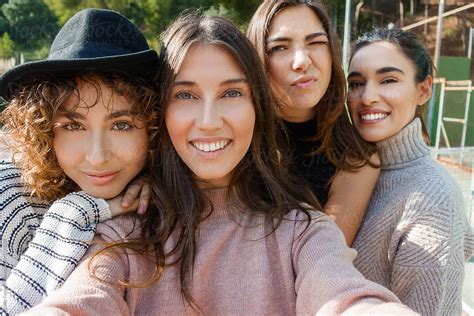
(91, 40)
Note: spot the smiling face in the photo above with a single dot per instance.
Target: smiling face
(299, 60)
(101, 148)
(383, 93)
(210, 117)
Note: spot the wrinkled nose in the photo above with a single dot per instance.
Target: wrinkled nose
(301, 60)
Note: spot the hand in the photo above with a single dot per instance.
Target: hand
(136, 197)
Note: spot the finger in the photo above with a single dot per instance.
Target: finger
(144, 199)
(132, 193)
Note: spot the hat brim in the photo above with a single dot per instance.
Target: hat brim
(143, 63)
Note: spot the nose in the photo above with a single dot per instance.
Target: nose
(301, 60)
(209, 117)
(369, 94)
(97, 152)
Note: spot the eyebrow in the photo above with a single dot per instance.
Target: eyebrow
(287, 39)
(378, 72)
(226, 82)
(78, 116)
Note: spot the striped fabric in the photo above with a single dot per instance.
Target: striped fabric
(415, 235)
(41, 244)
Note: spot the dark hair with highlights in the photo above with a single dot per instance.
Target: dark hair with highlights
(28, 122)
(413, 49)
(339, 139)
(259, 184)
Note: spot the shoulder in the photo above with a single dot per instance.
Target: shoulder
(120, 228)
(428, 185)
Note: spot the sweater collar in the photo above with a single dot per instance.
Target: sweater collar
(403, 147)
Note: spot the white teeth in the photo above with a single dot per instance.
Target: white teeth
(373, 117)
(210, 147)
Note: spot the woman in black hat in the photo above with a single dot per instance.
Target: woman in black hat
(81, 127)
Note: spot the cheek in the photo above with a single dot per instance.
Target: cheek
(67, 148)
(133, 149)
(276, 70)
(176, 121)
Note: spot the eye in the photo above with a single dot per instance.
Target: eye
(72, 126)
(389, 80)
(275, 49)
(233, 93)
(317, 43)
(122, 126)
(184, 95)
(355, 84)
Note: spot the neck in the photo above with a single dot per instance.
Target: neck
(297, 115)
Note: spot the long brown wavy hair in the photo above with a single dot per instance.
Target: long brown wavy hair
(28, 124)
(259, 184)
(339, 139)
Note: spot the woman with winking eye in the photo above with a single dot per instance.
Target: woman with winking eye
(231, 233)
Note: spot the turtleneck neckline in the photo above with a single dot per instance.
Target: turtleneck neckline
(404, 147)
(305, 129)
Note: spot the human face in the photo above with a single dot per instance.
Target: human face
(383, 94)
(210, 118)
(103, 147)
(299, 60)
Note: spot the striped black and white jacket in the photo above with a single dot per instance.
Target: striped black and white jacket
(41, 243)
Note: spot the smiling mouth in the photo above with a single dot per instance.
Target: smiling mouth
(373, 117)
(211, 146)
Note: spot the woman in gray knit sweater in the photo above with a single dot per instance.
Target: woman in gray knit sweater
(415, 236)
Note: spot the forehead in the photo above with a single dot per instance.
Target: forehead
(378, 55)
(295, 21)
(205, 61)
(94, 94)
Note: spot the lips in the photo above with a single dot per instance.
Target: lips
(101, 178)
(210, 145)
(304, 82)
(372, 116)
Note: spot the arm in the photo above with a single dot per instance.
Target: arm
(349, 197)
(101, 294)
(428, 262)
(32, 266)
(326, 281)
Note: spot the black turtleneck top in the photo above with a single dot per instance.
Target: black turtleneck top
(315, 169)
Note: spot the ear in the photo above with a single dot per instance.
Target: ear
(425, 89)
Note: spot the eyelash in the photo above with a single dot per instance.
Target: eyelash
(180, 94)
(74, 126)
(228, 92)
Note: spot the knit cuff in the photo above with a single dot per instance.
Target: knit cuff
(81, 208)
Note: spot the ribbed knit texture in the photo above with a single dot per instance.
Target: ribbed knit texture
(41, 244)
(240, 268)
(415, 235)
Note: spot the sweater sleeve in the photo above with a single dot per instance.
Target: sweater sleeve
(56, 248)
(93, 287)
(326, 281)
(428, 262)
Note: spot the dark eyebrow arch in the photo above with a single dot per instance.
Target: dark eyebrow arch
(354, 74)
(74, 116)
(287, 39)
(388, 69)
(233, 81)
(184, 83)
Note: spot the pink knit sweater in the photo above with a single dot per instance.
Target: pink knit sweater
(237, 270)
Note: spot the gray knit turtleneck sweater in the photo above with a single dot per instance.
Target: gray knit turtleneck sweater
(415, 236)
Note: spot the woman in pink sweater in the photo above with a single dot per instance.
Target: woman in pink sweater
(230, 232)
